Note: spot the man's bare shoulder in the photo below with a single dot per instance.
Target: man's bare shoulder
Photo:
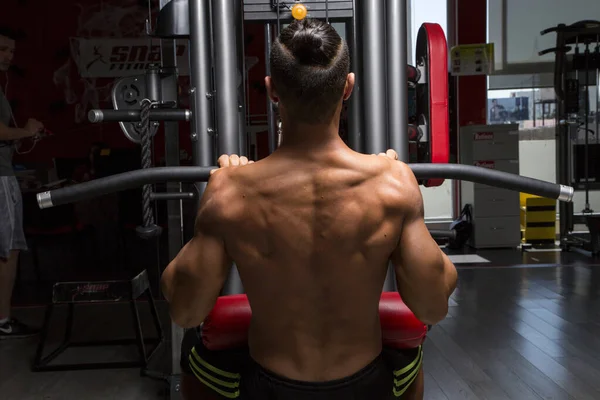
(400, 188)
(222, 199)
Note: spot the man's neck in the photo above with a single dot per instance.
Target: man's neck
(310, 138)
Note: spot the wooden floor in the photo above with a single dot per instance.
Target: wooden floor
(518, 333)
(523, 326)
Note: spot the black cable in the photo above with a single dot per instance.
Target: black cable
(148, 218)
(597, 57)
(148, 229)
(591, 131)
(586, 116)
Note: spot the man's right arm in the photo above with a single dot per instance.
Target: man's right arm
(8, 133)
(425, 275)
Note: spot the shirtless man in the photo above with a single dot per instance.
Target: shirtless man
(311, 228)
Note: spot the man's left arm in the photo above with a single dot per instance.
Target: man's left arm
(193, 281)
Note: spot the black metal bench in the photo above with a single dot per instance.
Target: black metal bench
(71, 293)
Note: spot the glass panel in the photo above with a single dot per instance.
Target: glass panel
(537, 146)
(525, 19)
(518, 35)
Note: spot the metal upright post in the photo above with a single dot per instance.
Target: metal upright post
(200, 129)
(271, 123)
(241, 62)
(201, 91)
(223, 19)
(374, 88)
(397, 82)
(355, 109)
(153, 89)
(226, 76)
(374, 66)
(597, 114)
(174, 208)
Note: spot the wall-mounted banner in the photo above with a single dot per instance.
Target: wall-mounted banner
(112, 58)
(472, 59)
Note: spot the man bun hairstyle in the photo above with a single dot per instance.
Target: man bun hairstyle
(309, 66)
(307, 47)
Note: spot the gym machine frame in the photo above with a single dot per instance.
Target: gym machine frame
(568, 83)
(379, 59)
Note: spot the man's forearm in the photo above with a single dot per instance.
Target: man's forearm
(8, 133)
(188, 302)
(171, 287)
(426, 295)
(166, 284)
(451, 274)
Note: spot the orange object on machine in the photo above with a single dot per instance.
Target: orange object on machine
(299, 11)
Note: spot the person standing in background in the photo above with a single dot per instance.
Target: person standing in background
(12, 237)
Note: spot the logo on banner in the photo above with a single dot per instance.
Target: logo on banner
(135, 57)
(484, 136)
(109, 58)
(486, 164)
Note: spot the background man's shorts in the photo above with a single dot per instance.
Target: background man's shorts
(12, 236)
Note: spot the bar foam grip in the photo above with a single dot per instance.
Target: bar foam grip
(121, 182)
(494, 178)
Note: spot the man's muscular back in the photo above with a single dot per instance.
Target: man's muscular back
(312, 239)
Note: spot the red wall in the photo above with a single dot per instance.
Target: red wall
(468, 25)
(37, 89)
(471, 29)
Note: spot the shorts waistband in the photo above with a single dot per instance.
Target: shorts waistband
(319, 386)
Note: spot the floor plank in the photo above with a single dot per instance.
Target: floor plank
(447, 377)
(481, 384)
(432, 389)
(545, 387)
(584, 371)
(568, 381)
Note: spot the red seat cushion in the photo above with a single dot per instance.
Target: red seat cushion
(226, 327)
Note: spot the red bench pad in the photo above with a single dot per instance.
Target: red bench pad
(226, 327)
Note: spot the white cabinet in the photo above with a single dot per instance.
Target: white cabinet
(496, 221)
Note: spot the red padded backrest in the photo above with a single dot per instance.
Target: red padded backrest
(431, 44)
(227, 325)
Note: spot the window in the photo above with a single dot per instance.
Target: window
(435, 11)
(514, 27)
(530, 108)
(438, 201)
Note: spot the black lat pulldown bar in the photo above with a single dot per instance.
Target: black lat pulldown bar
(133, 179)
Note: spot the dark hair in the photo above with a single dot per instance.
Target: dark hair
(309, 66)
(9, 33)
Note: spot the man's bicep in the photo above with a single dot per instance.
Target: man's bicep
(416, 246)
(201, 268)
(420, 271)
(417, 254)
(195, 278)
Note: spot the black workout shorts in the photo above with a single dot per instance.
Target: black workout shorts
(233, 374)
